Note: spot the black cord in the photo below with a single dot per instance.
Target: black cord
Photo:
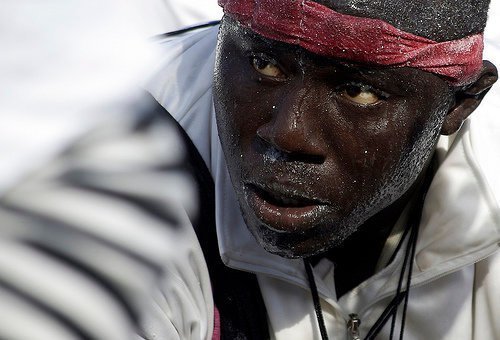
(407, 258)
(315, 297)
(400, 296)
(184, 30)
(392, 308)
(408, 283)
(426, 185)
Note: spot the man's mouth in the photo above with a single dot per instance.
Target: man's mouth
(283, 198)
(284, 209)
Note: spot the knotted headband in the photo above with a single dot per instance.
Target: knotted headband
(326, 32)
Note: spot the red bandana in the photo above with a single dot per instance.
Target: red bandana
(323, 31)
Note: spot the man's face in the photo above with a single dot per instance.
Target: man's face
(315, 146)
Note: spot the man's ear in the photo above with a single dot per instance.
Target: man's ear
(468, 98)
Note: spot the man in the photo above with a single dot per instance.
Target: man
(357, 220)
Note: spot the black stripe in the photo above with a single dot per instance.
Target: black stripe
(91, 273)
(315, 298)
(47, 310)
(55, 226)
(152, 115)
(184, 30)
(194, 165)
(149, 206)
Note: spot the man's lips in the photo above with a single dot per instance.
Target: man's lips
(282, 208)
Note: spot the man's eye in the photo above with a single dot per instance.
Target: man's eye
(359, 94)
(267, 67)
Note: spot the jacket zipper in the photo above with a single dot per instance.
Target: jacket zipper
(353, 327)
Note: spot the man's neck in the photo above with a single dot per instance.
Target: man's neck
(357, 258)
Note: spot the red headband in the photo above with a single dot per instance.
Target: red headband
(323, 31)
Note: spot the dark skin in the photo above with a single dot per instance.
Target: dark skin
(324, 155)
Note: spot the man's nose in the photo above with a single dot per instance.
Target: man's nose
(293, 128)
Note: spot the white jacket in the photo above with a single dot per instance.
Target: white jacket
(455, 290)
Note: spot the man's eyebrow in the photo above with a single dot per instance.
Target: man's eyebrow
(268, 43)
(260, 39)
(327, 62)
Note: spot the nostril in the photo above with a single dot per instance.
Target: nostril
(275, 153)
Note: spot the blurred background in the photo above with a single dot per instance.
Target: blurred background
(94, 202)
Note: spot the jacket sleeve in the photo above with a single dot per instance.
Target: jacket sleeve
(98, 243)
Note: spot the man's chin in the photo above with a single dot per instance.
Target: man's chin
(295, 245)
